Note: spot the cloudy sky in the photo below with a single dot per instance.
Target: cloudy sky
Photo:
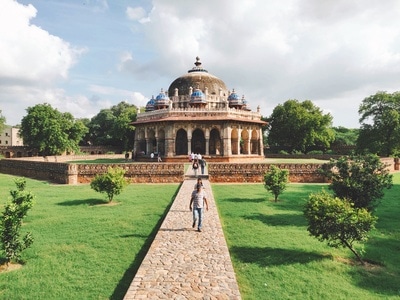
(81, 56)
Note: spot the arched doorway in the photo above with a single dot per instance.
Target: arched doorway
(234, 141)
(198, 142)
(181, 143)
(161, 142)
(215, 143)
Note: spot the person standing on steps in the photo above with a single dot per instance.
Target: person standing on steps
(197, 201)
(199, 181)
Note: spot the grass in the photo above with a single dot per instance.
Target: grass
(274, 256)
(84, 248)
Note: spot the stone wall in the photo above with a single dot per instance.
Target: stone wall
(135, 172)
(70, 173)
(50, 171)
(254, 172)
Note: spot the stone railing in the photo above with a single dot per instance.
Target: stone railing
(254, 172)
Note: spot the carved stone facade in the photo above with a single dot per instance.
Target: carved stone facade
(198, 114)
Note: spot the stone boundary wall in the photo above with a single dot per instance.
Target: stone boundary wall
(54, 172)
(135, 172)
(254, 172)
(70, 173)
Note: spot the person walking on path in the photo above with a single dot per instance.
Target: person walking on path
(195, 167)
(203, 163)
(197, 201)
(199, 181)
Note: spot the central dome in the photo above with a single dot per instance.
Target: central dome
(198, 78)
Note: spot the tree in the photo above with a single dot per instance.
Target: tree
(112, 127)
(337, 221)
(345, 136)
(360, 179)
(11, 222)
(111, 183)
(50, 131)
(2, 122)
(299, 126)
(275, 180)
(380, 124)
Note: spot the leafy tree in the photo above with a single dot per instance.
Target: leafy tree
(337, 221)
(345, 136)
(50, 131)
(360, 179)
(112, 127)
(275, 180)
(11, 222)
(111, 183)
(300, 126)
(2, 122)
(380, 124)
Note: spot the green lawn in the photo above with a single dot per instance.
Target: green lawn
(275, 258)
(84, 249)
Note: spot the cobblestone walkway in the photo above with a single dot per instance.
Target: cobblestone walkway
(183, 263)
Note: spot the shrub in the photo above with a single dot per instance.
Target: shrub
(337, 221)
(11, 222)
(275, 180)
(111, 183)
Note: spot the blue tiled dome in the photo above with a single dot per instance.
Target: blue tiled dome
(198, 97)
(162, 99)
(150, 104)
(234, 99)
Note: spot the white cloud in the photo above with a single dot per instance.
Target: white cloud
(30, 54)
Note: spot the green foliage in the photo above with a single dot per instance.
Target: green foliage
(337, 222)
(11, 222)
(112, 127)
(299, 126)
(50, 131)
(345, 136)
(2, 122)
(275, 180)
(361, 179)
(112, 183)
(380, 124)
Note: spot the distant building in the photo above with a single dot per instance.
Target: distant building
(10, 137)
(199, 114)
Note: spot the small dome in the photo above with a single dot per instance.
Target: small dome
(198, 97)
(150, 104)
(162, 100)
(234, 99)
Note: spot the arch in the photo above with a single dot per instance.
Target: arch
(234, 141)
(254, 142)
(198, 141)
(181, 142)
(244, 142)
(141, 148)
(151, 141)
(215, 142)
(161, 141)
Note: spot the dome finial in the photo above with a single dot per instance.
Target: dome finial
(198, 62)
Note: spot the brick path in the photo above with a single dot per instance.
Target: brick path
(183, 263)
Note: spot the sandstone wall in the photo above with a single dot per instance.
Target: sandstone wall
(254, 172)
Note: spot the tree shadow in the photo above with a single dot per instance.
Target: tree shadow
(376, 277)
(241, 200)
(268, 256)
(279, 219)
(90, 202)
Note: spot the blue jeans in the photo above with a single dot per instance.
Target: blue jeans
(198, 215)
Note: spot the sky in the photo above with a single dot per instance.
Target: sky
(81, 56)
